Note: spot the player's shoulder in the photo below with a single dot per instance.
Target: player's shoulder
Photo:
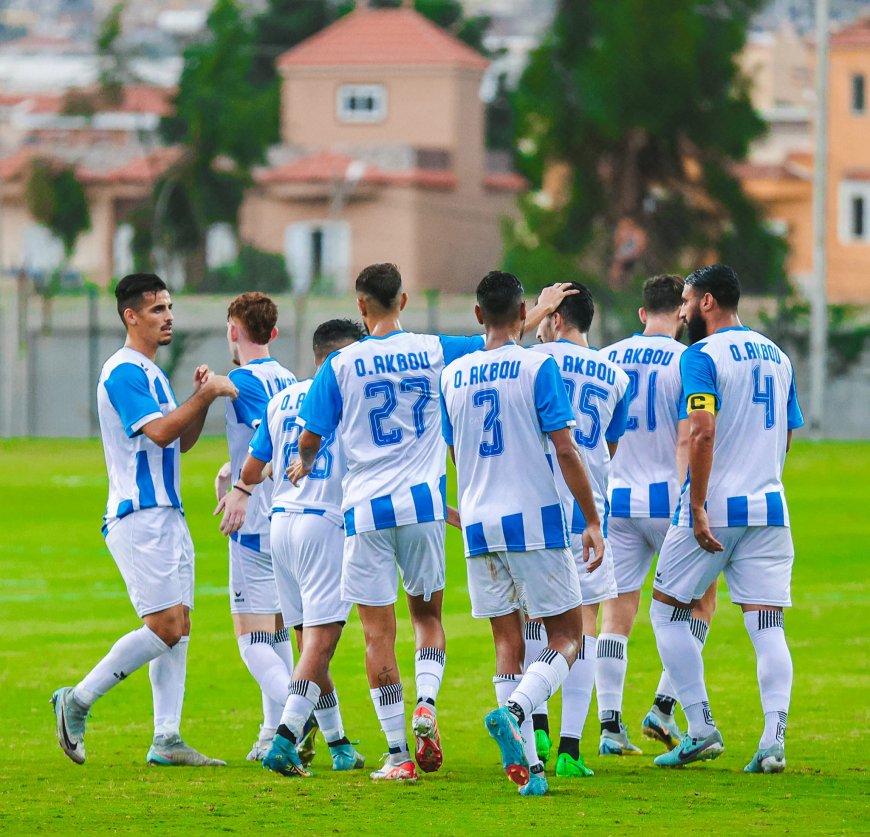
(128, 360)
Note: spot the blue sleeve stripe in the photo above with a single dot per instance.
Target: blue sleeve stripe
(130, 394)
(775, 508)
(349, 523)
(621, 506)
(423, 503)
(738, 511)
(169, 476)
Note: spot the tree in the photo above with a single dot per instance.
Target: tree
(449, 15)
(57, 200)
(225, 124)
(636, 111)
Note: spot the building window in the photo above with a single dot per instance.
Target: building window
(318, 253)
(859, 104)
(854, 216)
(362, 103)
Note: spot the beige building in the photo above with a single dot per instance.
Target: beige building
(383, 157)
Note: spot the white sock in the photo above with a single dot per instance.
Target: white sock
(577, 690)
(389, 704)
(129, 653)
(527, 731)
(267, 668)
(303, 697)
(540, 682)
(271, 716)
(328, 717)
(504, 686)
(610, 665)
(775, 672)
(428, 674)
(168, 673)
(283, 646)
(682, 659)
(666, 697)
(536, 642)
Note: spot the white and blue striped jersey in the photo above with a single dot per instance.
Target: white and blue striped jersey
(598, 392)
(752, 381)
(497, 408)
(381, 394)
(643, 479)
(257, 381)
(133, 391)
(276, 440)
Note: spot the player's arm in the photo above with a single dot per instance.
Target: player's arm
(700, 403)
(618, 421)
(222, 480)
(794, 416)
(549, 300)
(185, 422)
(682, 448)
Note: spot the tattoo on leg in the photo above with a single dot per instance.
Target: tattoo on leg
(386, 676)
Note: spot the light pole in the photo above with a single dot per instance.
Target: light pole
(818, 291)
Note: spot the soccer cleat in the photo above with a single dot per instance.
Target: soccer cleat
(661, 727)
(258, 751)
(768, 760)
(568, 767)
(428, 753)
(283, 758)
(404, 771)
(543, 745)
(345, 757)
(305, 747)
(693, 749)
(536, 786)
(171, 751)
(503, 727)
(617, 743)
(70, 719)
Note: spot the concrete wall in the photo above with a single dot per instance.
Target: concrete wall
(47, 387)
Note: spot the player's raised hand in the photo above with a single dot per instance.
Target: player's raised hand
(222, 481)
(593, 547)
(551, 297)
(234, 507)
(703, 533)
(296, 471)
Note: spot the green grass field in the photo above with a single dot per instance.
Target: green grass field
(62, 604)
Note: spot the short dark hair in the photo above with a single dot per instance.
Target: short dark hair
(382, 283)
(663, 293)
(718, 280)
(256, 314)
(130, 291)
(578, 309)
(333, 334)
(499, 296)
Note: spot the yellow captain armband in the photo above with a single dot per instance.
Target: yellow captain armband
(701, 401)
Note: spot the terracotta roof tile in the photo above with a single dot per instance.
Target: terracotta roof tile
(508, 181)
(856, 34)
(382, 36)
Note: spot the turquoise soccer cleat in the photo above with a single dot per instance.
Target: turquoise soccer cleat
(283, 758)
(345, 757)
(661, 727)
(171, 751)
(693, 749)
(503, 727)
(536, 786)
(767, 760)
(617, 744)
(70, 720)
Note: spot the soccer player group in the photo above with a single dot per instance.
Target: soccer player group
(336, 489)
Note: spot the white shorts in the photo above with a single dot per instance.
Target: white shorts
(757, 562)
(306, 554)
(634, 540)
(154, 552)
(600, 584)
(373, 561)
(252, 581)
(543, 582)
